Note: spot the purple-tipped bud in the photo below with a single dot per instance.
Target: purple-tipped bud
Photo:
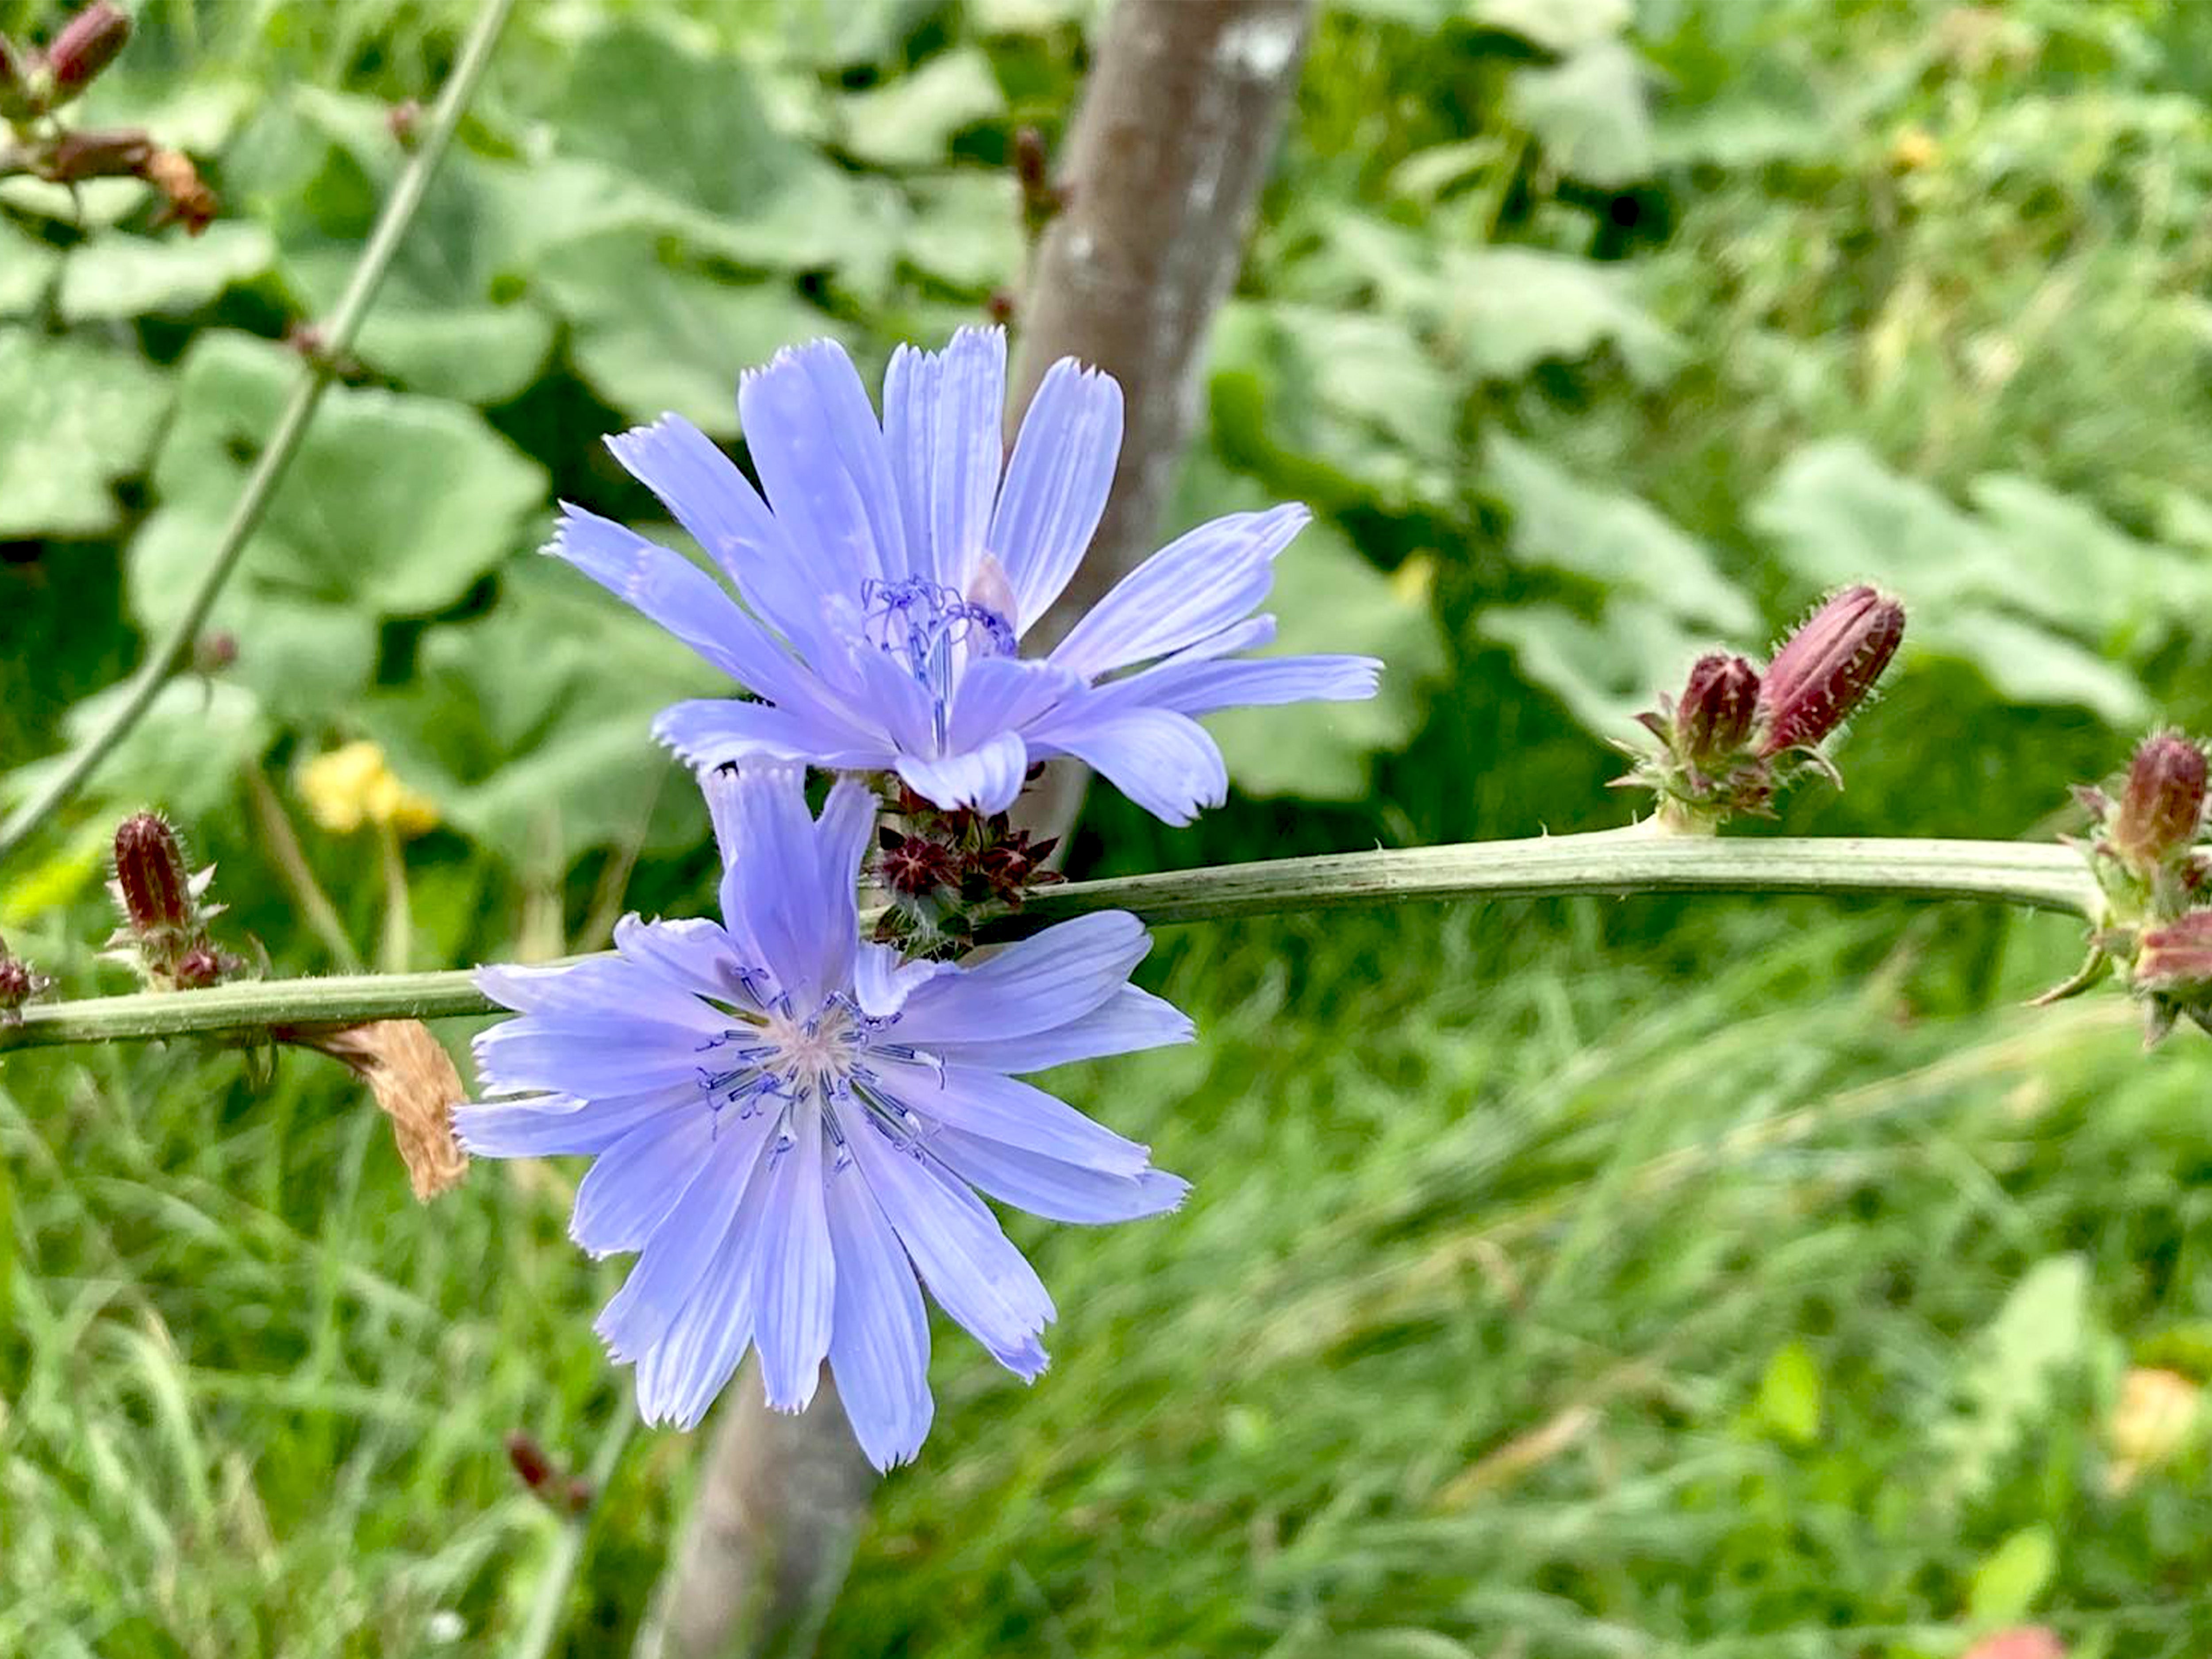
(1712, 722)
(2162, 808)
(151, 878)
(200, 967)
(2176, 957)
(1824, 669)
(91, 41)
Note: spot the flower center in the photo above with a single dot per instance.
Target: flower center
(779, 1057)
(935, 630)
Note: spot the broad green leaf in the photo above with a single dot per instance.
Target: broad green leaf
(1604, 671)
(1591, 113)
(2014, 598)
(1510, 309)
(704, 139)
(76, 418)
(183, 757)
(1787, 1405)
(303, 658)
(909, 121)
(536, 718)
(1616, 540)
(395, 505)
(27, 271)
(1561, 25)
(480, 354)
(2011, 1579)
(116, 275)
(1334, 406)
(652, 339)
(964, 230)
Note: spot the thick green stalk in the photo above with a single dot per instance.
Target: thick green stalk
(2043, 877)
(169, 654)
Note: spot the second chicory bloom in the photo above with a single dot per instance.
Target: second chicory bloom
(892, 571)
(790, 1124)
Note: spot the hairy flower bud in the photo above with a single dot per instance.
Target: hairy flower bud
(149, 876)
(2162, 808)
(91, 41)
(1824, 669)
(1713, 721)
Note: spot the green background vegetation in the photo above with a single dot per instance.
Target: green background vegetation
(1583, 1278)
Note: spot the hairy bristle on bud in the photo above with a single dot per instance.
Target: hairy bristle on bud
(1824, 669)
(2162, 808)
(1719, 700)
(150, 873)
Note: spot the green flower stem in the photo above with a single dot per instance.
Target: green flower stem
(175, 646)
(2043, 877)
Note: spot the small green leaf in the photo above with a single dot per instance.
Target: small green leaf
(2008, 1584)
(115, 275)
(2008, 1379)
(909, 122)
(1787, 1405)
(1510, 309)
(394, 504)
(652, 338)
(27, 271)
(1591, 114)
(1559, 26)
(76, 418)
(480, 354)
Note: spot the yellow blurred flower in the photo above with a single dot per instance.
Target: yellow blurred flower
(2155, 1420)
(355, 785)
(1912, 150)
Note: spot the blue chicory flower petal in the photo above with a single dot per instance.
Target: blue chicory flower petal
(892, 570)
(787, 1121)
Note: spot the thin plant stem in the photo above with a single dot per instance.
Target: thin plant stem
(550, 1600)
(298, 876)
(170, 653)
(398, 943)
(2041, 877)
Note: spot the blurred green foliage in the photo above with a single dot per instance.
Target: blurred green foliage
(1667, 1279)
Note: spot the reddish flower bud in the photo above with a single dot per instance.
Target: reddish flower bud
(1824, 669)
(1713, 721)
(92, 41)
(2162, 808)
(200, 967)
(2176, 957)
(532, 1465)
(404, 121)
(19, 983)
(149, 876)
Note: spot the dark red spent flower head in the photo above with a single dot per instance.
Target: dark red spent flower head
(2162, 808)
(532, 1463)
(149, 869)
(1824, 669)
(916, 866)
(19, 981)
(87, 45)
(1719, 702)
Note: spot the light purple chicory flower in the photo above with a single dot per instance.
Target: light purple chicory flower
(788, 1121)
(892, 572)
